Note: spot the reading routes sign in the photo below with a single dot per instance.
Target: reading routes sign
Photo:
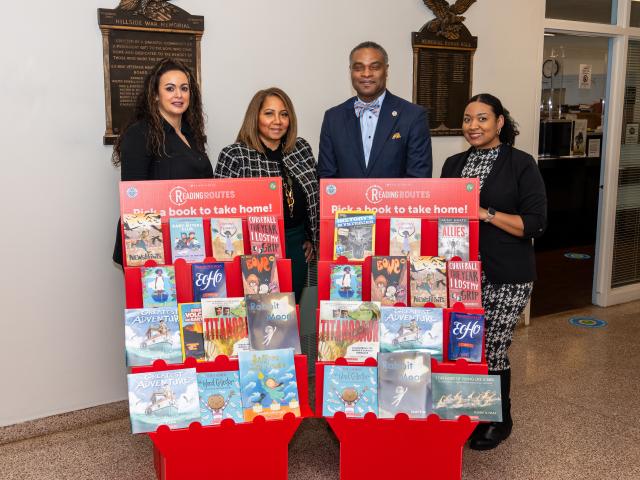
(406, 197)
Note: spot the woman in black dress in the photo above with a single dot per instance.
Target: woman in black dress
(513, 211)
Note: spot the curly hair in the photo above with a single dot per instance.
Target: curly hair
(147, 110)
(509, 131)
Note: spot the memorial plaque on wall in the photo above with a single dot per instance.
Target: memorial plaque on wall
(135, 36)
(443, 65)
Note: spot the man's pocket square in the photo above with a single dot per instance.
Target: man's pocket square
(396, 136)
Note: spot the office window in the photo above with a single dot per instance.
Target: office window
(596, 11)
(635, 14)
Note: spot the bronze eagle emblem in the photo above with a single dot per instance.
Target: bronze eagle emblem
(158, 10)
(448, 21)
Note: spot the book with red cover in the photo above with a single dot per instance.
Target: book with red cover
(264, 235)
(465, 283)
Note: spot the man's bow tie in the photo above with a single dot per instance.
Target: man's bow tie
(361, 107)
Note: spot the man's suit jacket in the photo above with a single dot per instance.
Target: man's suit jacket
(401, 143)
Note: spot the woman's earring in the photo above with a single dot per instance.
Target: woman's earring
(499, 130)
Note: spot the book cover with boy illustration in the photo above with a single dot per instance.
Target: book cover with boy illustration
(158, 286)
(219, 394)
(227, 240)
(142, 238)
(259, 274)
(151, 334)
(405, 236)
(225, 326)
(346, 282)
(389, 280)
(350, 389)
(187, 239)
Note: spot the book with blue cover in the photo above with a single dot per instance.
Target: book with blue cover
(225, 326)
(187, 239)
(477, 396)
(389, 280)
(158, 287)
(167, 397)
(151, 334)
(268, 384)
(350, 389)
(404, 384)
(466, 333)
(209, 280)
(411, 328)
(346, 282)
(219, 397)
(272, 321)
(191, 327)
(227, 240)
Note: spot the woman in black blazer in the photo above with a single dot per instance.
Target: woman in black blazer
(513, 211)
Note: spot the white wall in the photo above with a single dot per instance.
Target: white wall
(62, 298)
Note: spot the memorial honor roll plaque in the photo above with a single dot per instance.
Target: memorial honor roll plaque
(442, 66)
(136, 35)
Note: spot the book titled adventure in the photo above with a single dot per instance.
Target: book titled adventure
(354, 234)
(219, 394)
(187, 239)
(465, 284)
(405, 235)
(191, 327)
(158, 286)
(225, 327)
(346, 282)
(259, 274)
(466, 332)
(142, 238)
(453, 238)
(163, 398)
(348, 329)
(227, 240)
(268, 384)
(428, 281)
(411, 328)
(389, 280)
(477, 396)
(273, 321)
(264, 235)
(404, 384)
(350, 389)
(151, 334)
(208, 280)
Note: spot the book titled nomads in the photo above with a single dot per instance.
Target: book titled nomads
(428, 281)
(158, 286)
(411, 328)
(142, 238)
(209, 280)
(225, 327)
(466, 332)
(268, 384)
(227, 240)
(167, 397)
(219, 394)
(389, 280)
(404, 384)
(348, 329)
(187, 239)
(151, 334)
(453, 238)
(264, 235)
(346, 282)
(477, 396)
(465, 284)
(350, 389)
(273, 321)
(191, 327)
(405, 235)
(259, 274)
(354, 234)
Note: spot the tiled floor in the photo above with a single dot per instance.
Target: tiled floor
(576, 404)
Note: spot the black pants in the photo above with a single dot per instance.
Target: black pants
(294, 238)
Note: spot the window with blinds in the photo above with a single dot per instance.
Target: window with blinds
(626, 245)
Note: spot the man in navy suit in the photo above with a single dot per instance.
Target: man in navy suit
(376, 134)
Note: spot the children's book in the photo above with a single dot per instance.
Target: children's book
(219, 394)
(151, 334)
(187, 239)
(428, 281)
(350, 389)
(453, 238)
(465, 284)
(209, 280)
(227, 240)
(346, 282)
(404, 384)
(259, 274)
(225, 326)
(142, 238)
(158, 287)
(466, 333)
(268, 384)
(348, 329)
(411, 328)
(477, 396)
(191, 328)
(389, 280)
(354, 234)
(167, 397)
(264, 235)
(273, 321)
(405, 236)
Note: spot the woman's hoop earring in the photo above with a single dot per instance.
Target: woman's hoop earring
(499, 130)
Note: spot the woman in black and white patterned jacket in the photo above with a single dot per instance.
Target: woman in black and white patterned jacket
(268, 146)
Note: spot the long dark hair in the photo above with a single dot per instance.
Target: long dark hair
(510, 130)
(147, 110)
